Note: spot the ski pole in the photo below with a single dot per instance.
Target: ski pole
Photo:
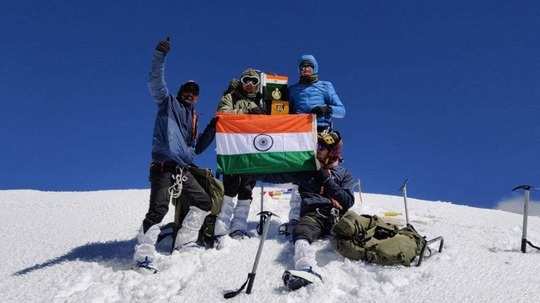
(251, 275)
(403, 189)
(526, 190)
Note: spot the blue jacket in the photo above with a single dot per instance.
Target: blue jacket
(304, 97)
(175, 128)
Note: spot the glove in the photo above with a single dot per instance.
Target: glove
(164, 46)
(256, 111)
(322, 111)
(322, 176)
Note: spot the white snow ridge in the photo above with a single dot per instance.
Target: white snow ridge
(77, 247)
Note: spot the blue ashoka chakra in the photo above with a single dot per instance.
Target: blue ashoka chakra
(263, 142)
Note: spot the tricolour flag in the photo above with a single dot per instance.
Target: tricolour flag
(261, 144)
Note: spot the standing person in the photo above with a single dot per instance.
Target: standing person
(174, 138)
(311, 95)
(242, 97)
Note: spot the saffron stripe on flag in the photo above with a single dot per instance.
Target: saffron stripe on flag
(267, 162)
(234, 143)
(256, 124)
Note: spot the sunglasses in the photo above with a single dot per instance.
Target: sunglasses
(248, 79)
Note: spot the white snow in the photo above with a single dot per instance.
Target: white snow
(77, 247)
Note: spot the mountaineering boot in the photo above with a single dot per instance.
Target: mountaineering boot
(189, 232)
(145, 249)
(223, 220)
(304, 255)
(295, 279)
(239, 221)
(239, 235)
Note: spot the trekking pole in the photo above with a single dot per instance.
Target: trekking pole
(526, 190)
(403, 190)
(251, 275)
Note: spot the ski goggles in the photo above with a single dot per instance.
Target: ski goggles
(249, 79)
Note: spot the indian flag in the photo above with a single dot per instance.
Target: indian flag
(261, 144)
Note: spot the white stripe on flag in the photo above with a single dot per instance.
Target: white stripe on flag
(238, 143)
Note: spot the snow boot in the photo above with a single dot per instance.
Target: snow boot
(145, 249)
(239, 235)
(241, 212)
(145, 267)
(295, 279)
(189, 232)
(304, 255)
(223, 220)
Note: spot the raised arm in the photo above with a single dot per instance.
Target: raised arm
(156, 80)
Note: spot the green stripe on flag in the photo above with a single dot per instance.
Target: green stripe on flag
(266, 163)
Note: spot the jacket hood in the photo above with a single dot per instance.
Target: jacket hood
(311, 59)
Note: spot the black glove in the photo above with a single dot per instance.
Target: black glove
(322, 176)
(322, 111)
(164, 46)
(256, 111)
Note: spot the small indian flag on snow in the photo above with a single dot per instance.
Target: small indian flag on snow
(262, 144)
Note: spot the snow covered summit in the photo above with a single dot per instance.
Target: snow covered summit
(77, 247)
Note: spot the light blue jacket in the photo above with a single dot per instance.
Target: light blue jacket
(175, 128)
(304, 97)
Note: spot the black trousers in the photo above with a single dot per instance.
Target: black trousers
(313, 225)
(241, 185)
(160, 181)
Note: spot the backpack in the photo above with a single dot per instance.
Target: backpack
(214, 188)
(370, 239)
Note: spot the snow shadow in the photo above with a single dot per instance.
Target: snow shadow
(115, 254)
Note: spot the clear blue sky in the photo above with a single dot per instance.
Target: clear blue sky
(446, 93)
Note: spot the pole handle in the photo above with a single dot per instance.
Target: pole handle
(524, 187)
(251, 279)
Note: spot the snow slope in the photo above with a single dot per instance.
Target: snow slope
(77, 247)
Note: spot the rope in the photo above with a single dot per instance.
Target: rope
(176, 189)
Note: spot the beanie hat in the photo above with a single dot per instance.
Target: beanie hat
(310, 59)
(190, 86)
(251, 72)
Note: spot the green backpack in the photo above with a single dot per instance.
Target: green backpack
(370, 239)
(214, 188)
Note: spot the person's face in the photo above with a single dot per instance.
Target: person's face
(322, 154)
(306, 71)
(188, 97)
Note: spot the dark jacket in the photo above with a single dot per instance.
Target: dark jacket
(175, 127)
(317, 190)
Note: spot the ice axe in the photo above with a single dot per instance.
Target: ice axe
(526, 192)
(403, 190)
(251, 276)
